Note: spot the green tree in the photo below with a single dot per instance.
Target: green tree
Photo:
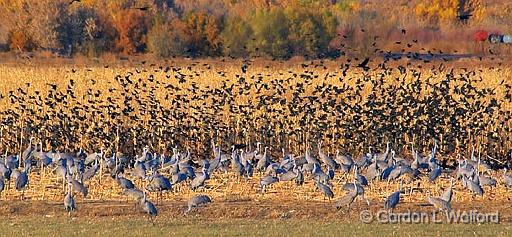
(310, 31)
(235, 37)
(270, 34)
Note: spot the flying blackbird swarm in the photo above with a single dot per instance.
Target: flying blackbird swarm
(350, 108)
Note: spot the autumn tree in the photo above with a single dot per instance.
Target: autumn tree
(132, 26)
(168, 39)
(270, 34)
(436, 12)
(203, 32)
(310, 31)
(235, 37)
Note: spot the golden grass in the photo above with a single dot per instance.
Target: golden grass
(96, 77)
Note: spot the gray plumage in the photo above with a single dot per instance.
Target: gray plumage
(134, 193)
(434, 173)
(159, 183)
(507, 179)
(267, 180)
(288, 176)
(2, 184)
(199, 180)
(360, 178)
(125, 183)
(474, 186)
(90, 172)
(347, 199)
(487, 181)
(326, 190)
(352, 186)
(448, 193)
(393, 199)
(27, 153)
(439, 203)
(215, 162)
(21, 179)
(343, 159)
(148, 207)
(5, 171)
(263, 161)
(69, 201)
(80, 187)
(197, 200)
(178, 177)
(325, 158)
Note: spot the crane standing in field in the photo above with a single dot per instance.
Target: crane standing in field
(393, 199)
(69, 200)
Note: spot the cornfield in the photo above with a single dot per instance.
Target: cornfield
(188, 106)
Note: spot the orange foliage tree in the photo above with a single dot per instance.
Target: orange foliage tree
(203, 32)
(132, 26)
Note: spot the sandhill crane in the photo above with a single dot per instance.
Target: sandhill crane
(5, 172)
(393, 199)
(69, 201)
(326, 190)
(384, 156)
(80, 187)
(360, 178)
(289, 175)
(267, 180)
(21, 178)
(473, 186)
(196, 201)
(344, 160)
(236, 165)
(439, 203)
(27, 153)
(434, 173)
(325, 158)
(347, 199)
(124, 183)
(215, 162)
(2, 184)
(253, 154)
(199, 180)
(318, 174)
(158, 183)
(91, 171)
(263, 161)
(310, 158)
(148, 207)
(507, 179)
(178, 177)
(448, 193)
(139, 170)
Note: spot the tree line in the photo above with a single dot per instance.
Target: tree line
(200, 28)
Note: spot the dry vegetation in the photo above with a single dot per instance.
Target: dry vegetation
(92, 105)
(189, 104)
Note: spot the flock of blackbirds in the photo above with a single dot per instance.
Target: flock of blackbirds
(163, 131)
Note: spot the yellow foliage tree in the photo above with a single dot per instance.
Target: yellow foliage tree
(437, 12)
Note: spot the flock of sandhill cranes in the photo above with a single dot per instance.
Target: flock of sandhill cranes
(128, 126)
(158, 172)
